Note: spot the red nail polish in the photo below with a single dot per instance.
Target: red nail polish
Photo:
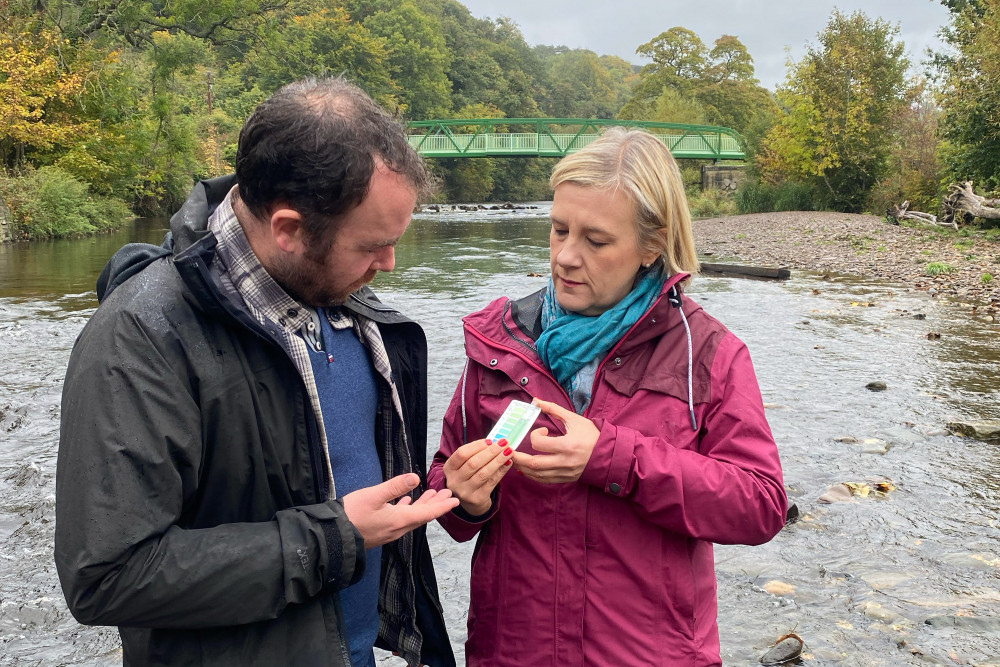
(508, 462)
(488, 442)
(508, 452)
(518, 472)
(502, 442)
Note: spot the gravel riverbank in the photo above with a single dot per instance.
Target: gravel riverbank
(861, 245)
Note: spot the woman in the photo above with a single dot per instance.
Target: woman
(652, 442)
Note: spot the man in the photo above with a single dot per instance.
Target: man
(233, 407)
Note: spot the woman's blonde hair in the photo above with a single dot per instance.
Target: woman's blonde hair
(635, 162)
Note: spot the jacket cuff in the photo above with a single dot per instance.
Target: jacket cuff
(345, 549)
(463, 526)
(479, 518)
(472, 518)
(610, 463)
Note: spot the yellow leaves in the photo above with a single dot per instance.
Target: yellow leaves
(847, 490)
(876, 489)
(34, 79)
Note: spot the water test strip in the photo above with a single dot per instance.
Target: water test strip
(514, 423)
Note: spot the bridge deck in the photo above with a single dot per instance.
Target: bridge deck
(478, 138)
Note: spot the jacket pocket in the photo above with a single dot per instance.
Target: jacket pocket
(680, 585)
(497, 383)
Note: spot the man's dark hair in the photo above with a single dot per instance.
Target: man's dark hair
(312, 146)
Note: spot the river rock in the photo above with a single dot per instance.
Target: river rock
(877, 612)
(973, 624)
(981, 430)
(785, 651)
(874, 446)
(792, 514)
(980, 561)
(778, 588)
(837, 493)
(885, 580)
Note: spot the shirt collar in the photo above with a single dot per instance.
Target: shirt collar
(254, 284)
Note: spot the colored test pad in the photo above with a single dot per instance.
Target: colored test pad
(514, 423)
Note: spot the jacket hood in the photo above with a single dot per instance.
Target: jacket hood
(187, 227)
(129, 260)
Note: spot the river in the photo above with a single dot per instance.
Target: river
(911, 577)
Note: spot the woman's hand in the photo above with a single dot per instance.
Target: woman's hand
(474, 470)
(564, 457)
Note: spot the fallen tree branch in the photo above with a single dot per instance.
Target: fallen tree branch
(963, 200)
(903, 212)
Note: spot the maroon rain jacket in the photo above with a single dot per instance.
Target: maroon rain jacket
(617, 568)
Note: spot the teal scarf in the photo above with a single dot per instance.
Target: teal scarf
(571, 345)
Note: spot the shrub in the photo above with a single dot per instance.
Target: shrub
(711, 203)
(755, 197)
(758, 197)
(794, 196)
(50, 203)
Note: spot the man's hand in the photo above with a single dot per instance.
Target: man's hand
(379, 521)
(564, 457)
(474, 470)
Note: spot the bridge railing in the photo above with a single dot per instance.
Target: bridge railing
(492, 137)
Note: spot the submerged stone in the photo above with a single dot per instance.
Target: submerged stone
(974, 624)
(981, 430)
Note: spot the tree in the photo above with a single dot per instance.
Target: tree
(491, 63)
(971, 98)
(35, 91)
(678, 55)
(416, 57)
(672, 106)
(740, 105)
(679, 59)
(581, 84)
(958, 6)
(322, 42)
(688, 83)
(730, 61)
(838, 105)
(915, 169)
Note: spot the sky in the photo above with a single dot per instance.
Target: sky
(772, 30)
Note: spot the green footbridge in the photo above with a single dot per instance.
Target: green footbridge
(555, 137)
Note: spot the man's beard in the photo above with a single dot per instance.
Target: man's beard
(302, 280)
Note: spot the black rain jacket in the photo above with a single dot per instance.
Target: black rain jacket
(192, 505)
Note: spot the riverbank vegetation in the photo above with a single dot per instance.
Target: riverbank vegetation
(110, 106)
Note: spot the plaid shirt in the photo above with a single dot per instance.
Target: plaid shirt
(241, 273)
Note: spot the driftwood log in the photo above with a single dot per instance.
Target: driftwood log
(962, 202)
(903, 212)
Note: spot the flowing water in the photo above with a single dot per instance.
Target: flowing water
(911, 577)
